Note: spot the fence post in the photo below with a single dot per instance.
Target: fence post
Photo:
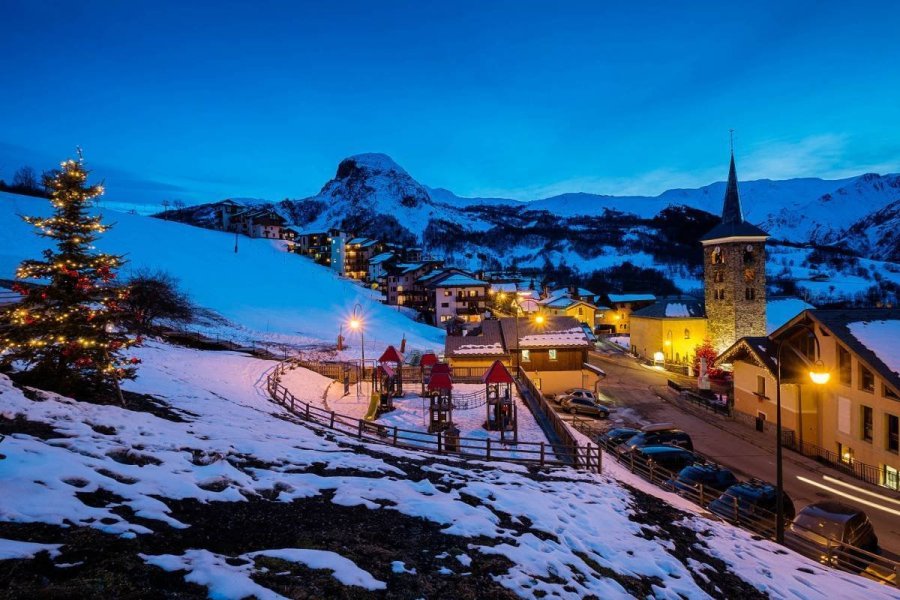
(542, 454)
(488, 448)
(395, 435)
(737, 514)
(702, 503)
(331, 423)
(631, 457)
(307, 411)
(292, 403)
(359, 428)
(439, 442)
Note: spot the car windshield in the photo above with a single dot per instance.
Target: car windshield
(819, 526)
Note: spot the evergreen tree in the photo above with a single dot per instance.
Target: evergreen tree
(65, 332)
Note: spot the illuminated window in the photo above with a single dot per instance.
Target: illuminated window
(687, 334)
(552, 353)
(526, 355)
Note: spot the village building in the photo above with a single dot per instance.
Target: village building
(617, 318)
(672, 325)
(357, 254)
(402, 288)
(565, 306)
(225, 210)
(378, 268)
(552, 354)
(853, 421)
(455, 295)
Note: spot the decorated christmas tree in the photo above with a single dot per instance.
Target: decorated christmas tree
(65, 332)
(706, 350)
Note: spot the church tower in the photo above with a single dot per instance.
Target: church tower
(734, 273)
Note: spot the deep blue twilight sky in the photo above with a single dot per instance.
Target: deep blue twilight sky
(521, 99)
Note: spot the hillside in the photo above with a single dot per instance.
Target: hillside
(263, 291)
(217, 492)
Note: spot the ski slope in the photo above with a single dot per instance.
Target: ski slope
(273, 295)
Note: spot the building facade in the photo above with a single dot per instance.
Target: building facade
(673, 326)
(617, 319)
(854, 419)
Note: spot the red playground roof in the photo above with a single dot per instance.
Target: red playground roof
(429, 359)
(440, 368)
(439, 381)
(497, 374)
(391, 355)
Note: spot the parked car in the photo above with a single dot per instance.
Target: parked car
(616, 436)
(671, 458)
(574, 393)
(583, 406)
(713, 478)
(751, 503)
(832, 532)
(655, 435)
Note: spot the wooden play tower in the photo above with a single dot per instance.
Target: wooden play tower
(502, 414)
(429, 359)
(440, 397)
(390, 357)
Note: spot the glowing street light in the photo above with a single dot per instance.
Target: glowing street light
(356, 324)
(819, 374)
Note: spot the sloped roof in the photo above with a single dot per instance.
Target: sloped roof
(390, 354)
(429, 359)
(555, 332)
(758, 350)
(497, 373)
(380, 258)
(487, 340)
(733, 223)
(617, 298)
(439, 381)
(458, 280)
(673, 307)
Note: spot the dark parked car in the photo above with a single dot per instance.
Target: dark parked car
(831, 532)
(670, 458)
(583, 406)
(616, 436)
(751, 503)
(656, 435)
(707, 479)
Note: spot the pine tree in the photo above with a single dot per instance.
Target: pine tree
(65, 332)
(706, 350)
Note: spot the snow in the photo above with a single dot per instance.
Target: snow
(881, 338)
(677, 309)
(233, 434)
(458, 280)
(621, 340)
(15, 549)
(617, 298)
(483, 349)
(271, 294)
(566, 337)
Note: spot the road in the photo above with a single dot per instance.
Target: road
(641, 396)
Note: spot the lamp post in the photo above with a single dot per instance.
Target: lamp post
(819, 376)
(356, 324)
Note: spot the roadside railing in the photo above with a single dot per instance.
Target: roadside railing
(710, 401)
(540, 454)
(866, 472)
(757, 520)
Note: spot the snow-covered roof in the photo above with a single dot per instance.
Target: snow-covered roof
(508, 287)
(572, 337)
(673, 307)
(460, 280)
(616, 298)
(479, 349)
(380, 258)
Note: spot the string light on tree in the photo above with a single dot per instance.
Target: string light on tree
(64, 329)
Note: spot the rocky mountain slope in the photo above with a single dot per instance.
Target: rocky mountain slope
(584, 233)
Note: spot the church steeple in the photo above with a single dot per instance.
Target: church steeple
(731, 209)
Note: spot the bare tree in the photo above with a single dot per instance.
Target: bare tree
(26, 179)
(178, 204)
(166, 204)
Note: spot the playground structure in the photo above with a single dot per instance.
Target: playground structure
(502, 412)
(387, 383)
(440, 398)
(428, 360)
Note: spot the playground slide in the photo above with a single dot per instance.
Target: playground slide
(372, 413)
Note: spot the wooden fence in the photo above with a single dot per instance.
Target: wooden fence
(540, 454)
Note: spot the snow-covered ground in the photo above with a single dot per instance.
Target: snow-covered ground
(266, 292)
(566, 535)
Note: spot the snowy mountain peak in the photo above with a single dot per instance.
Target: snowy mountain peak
(369, 163)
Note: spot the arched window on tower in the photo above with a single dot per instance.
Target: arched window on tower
(687, 334)
(750, 294)
(716, 257)
(719, 277)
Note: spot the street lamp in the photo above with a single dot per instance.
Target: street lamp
(819, 375)
(356, 324)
